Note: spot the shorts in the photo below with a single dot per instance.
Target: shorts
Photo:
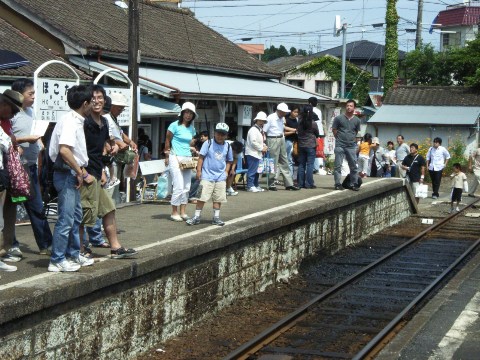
(217, 191)
(363, 164)
(414, 186)
(96, 203)
(457, 194)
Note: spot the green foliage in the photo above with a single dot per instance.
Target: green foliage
(273, 53)
(465, 63)
(355, 78)
(391, 46)
(456, 149)
(425, 66)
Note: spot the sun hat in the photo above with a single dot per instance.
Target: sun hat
(15, 98)
(260, 116)
(222, 128)
(119, 99)
(375, 141)
(283, 107)
(189, 106)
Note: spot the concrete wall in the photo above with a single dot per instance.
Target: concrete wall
(166, 296)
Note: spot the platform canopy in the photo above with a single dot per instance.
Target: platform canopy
(437, 115)
(11, 60)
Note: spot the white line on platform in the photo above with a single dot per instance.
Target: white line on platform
(246, 217)
(454, 338)
(194, 233)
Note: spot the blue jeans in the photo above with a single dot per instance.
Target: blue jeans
(35, 211)
(289, 148)
(306, 159)
(252, 174)
(95, 236)
(66, 238)
(350, 154)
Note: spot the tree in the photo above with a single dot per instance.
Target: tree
(391, 46)
(355, 77)
(293, 51)
(465, 63)
(425, 66)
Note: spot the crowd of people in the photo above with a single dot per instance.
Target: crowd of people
(86, 142)
(80, 152)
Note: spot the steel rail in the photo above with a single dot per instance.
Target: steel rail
(390, 326)
(270, 334)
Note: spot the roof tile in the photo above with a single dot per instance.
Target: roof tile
(433, 96)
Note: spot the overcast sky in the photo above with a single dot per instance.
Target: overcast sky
(308, 24)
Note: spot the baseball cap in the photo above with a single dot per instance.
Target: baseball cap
(222, 128)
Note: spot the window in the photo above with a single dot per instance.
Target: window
(324, 88)
(297, 83)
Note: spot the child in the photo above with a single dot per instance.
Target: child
(459, 182)
(237, 148)
(215, 160)
(364, 154)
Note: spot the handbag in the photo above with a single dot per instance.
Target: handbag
(19, 179)
(422, 191)
(295, 148)
(187, 164)
(125, 157)
(319, 153)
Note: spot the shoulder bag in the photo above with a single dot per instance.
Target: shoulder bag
(19, 179)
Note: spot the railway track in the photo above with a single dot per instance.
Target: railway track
(351, 319)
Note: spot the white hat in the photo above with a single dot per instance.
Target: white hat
(119, 99)
(260, 116)
(222, 128)
(283, 107)
(189, 106)
(375, 141)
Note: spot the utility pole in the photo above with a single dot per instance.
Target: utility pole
(418, 37)
(133, 73)
(344, 60)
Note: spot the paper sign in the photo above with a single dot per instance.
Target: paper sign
(39, 127)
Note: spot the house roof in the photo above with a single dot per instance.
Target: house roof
(432, 95)
(287, 63)
(168, 35)
(16, 41)
(360, 50)
(428, 115)
(254, 49)
(455, 16)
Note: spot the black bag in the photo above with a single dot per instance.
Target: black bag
(347, 183)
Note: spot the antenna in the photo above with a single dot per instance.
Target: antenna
(337, 26)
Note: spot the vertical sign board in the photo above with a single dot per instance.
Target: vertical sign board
(125, 117)
(329, 138)
(51, 94)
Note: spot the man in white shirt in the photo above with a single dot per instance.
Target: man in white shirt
(276, 145)
(68, 152)
(401, 153)
(474, 165)
(437, 160)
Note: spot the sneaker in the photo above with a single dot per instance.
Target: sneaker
(63, 266)
(260, 189)
(82, 260)
(121, 253)
(339, 187)
(272, 188)
(46, 251)
(217, 221)
(253, 189)
(193, 221)
(6, 267)
(231, 192)
(11, 258)
(355, 188)
(457, 209)
(434, 197)
(15, 251)
(112, 184)
(176, 218)
(292, 188)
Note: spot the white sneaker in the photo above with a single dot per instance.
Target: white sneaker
(82, 261)
(5, 267)
(64, 266)
(253, 189)
(260, 189)
(112, 184)
(231, 192)
(12, 258)
(15, 251)
(457, 209)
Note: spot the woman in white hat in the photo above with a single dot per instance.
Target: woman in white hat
(254, 149)
(178, 148)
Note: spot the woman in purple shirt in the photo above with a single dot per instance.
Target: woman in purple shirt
(307, 133)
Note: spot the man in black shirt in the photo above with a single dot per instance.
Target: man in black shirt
(95, 200)
(414, 164)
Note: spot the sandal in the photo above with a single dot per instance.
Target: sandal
(103, 245)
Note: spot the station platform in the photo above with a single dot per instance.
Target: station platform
(163, 243)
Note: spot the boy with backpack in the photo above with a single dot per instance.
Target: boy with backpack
(215, 160)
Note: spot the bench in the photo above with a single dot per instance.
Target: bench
(151, 167)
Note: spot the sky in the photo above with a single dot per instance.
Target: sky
(308, 24)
